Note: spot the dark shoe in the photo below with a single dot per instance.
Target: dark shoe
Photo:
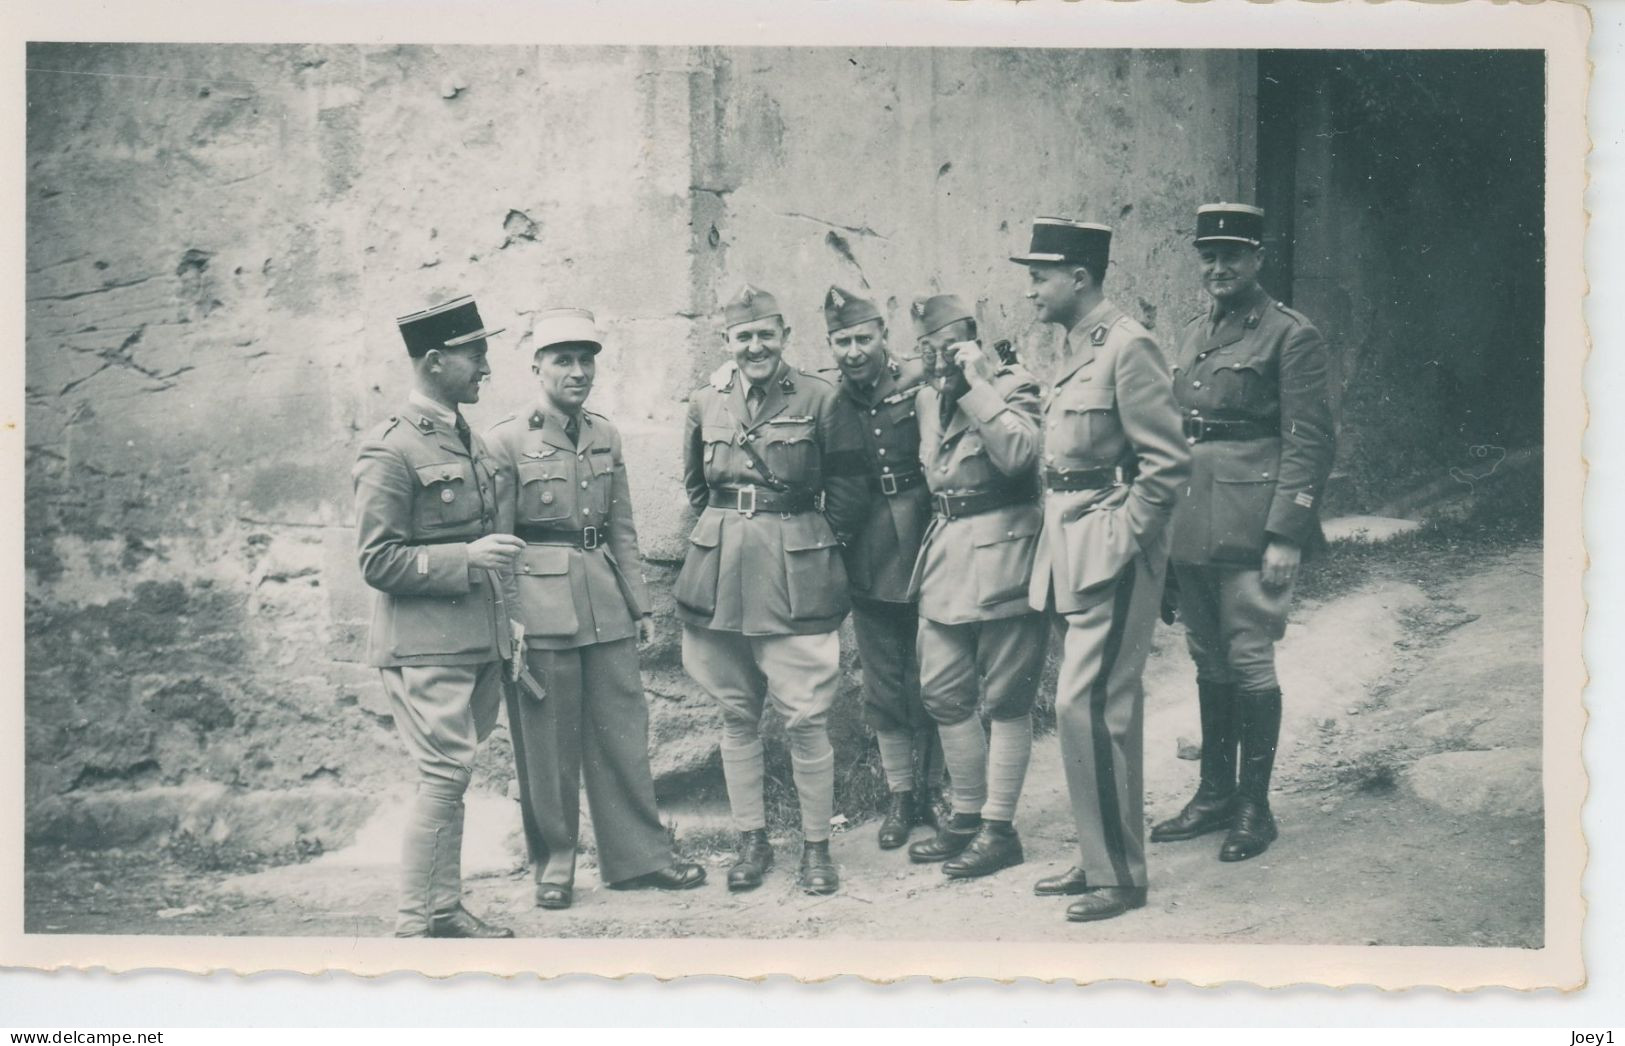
(754, 859)
(553, 895)
(675, 876)
(1067, 884)
(1252, 833)
(953, 835)
(1203, 814)
(995, 847)
(817, 874)
(902, 813)
(460, 922)
(1105, 902)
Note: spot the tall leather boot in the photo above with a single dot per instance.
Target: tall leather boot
(1254, 827)
(1213, 807)
(451, 919)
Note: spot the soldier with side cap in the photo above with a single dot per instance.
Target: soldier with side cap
(981, 647)
(1114, 462)
(1250, 377)
(885, 616)
(579, 583)
(426, 500)
(763, 589)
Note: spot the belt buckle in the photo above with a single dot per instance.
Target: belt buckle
(739, 500)
(1195, 427)
(589, 538)
(888, 483)
(943, 506)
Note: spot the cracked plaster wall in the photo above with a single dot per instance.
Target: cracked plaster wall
(220, 237)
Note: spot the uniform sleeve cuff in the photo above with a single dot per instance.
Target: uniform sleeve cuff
(983, 402)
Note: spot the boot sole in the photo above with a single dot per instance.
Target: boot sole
(1108, 913)
(977, 873)
(1179, 837)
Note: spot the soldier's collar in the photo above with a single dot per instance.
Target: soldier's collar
(1248, 310)
(542, 411)
(1092, 327)
(426, 413)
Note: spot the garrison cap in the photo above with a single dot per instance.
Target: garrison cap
(843, 309)
(936, 312)
(566, 327)
(1061, 240)
(750, 304)
(1230, 223)
(456, 322)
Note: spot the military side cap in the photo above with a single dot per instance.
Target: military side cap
(565, 327)
(1062, 240)
(936, 312)
(1230, 222)
(447, 326)
(748, 305)
(843, 309)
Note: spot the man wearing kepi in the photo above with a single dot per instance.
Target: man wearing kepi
(1250, 377)
(426, 518)
(579, 582)
(981, 647)
(1114, 460)
(880, 558)
(763, 589)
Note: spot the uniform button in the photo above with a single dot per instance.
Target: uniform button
(750, 464)
(875, 410)
(877, 432)
(1194, 412)
(1196, 384)
(882, 451)
(885, 468)
(583, 484)
(1191, 440)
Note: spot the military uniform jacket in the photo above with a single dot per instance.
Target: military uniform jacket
(975, 568)
(1111, 407)
(770, 573)
(570, 597)
(420, 498)
(1264, 363)
(881, 558)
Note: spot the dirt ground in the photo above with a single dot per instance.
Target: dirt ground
(1408, 793)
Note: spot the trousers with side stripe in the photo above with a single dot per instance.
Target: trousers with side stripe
(1100, 716)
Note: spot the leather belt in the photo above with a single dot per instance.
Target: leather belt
(748, 501)
(461, 540)
(1068, 480)
(890, 483)
(1205, 430)
(585, 538)
(975, 502)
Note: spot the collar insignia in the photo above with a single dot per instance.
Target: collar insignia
(426, 423)
(1098, 335)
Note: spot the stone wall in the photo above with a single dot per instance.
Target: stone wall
(219, 239)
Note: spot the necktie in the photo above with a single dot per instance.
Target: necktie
(465, 434)
(753, 400)
(572, 428)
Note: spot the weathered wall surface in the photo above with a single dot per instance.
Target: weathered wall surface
(220, 237)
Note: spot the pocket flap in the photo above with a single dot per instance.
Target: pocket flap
(716, 434)
(806, 532)
(708, 531)
(990, 529)
(440, 472)
(1090, 397)
(1248, 461)
(545, 560)
(530, 471)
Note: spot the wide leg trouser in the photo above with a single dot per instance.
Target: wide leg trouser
(1100, 716)
(592, 727)
(442, 713)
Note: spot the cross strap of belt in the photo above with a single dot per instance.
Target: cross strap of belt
(750, 500)
(892, 483)
(958, 504)
(1068, 480)
(1205, 430)
(586, 538)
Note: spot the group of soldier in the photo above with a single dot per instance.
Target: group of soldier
(959, 510)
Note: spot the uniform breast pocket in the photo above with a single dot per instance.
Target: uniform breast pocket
(544, 491)
(448, 496)
(905, 430)
(788, 448)
(717, 440)
(602, 460)
(1244, 382)
(1086, 423)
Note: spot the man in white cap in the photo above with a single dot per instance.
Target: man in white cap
(763, 589)
(429, 543)
(1114, 460)
(580, 585)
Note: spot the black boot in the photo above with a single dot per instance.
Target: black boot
(1214, 805)
(755, 857)
(818, 874)
(901, 813)
(996, 846)
(1254, 827)
(953, 835)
